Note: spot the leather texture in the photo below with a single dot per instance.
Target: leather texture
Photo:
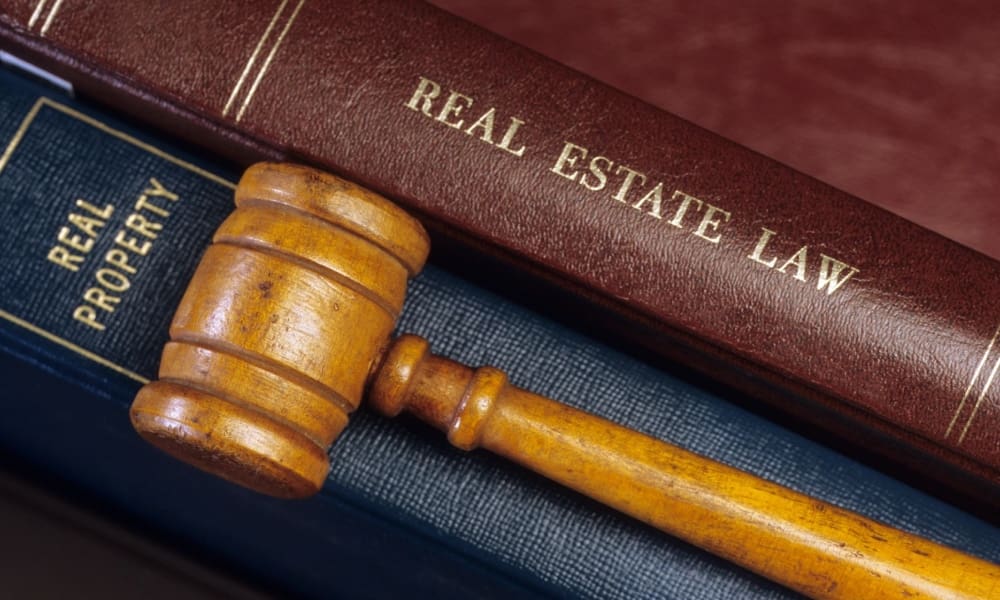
(892, 101)
(890, 355)
(404, 514)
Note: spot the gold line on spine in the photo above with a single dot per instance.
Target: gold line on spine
(38, 12)
(267, 63)
(52, 15)
(19, 134)
(972, 383)
(979, 400)
(253, 58)
(71, 346)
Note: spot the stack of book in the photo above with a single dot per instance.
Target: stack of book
(659, 238)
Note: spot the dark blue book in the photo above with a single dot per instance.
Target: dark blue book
(102, 225)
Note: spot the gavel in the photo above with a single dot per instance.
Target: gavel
(287, 323)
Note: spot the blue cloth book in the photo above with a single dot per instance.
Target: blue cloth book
(102, 225)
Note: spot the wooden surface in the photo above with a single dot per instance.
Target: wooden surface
(288, 319)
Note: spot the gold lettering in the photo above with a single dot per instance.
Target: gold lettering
(132, 243)
(508, 137)
(758, 251)
(88, 316)
(567, 158)
(88, 225)
(101, 299)
(159, 190)
(428, 91)
(113, 280)
(64, 258)
(829, 278)
(710, 225)
(655, 196)
(597, 172)
(485, 123)
(799, 260)
(104, 213)
(707, 221)
(119, 258)
(686, 201)
(423, 98)
(74, 241)
(143, 204)
(627, 183)
(452, 107)
(142, 225)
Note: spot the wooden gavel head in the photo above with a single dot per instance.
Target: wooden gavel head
(287, 315)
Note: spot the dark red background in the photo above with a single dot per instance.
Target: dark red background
(896, 102)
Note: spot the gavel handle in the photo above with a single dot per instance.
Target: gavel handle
(800, 542)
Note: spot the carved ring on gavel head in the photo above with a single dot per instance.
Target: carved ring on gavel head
(280, 328)
(287, 321)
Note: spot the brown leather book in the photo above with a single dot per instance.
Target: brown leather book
(844, 315)
(894, 103)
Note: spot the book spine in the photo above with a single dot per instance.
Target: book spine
(850, 317)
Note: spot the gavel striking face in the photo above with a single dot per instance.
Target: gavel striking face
(287, 321)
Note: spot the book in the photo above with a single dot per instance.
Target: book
(893, 106)
(403, 512)
(690, 247)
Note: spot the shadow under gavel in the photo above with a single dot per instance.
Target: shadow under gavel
(287, 322)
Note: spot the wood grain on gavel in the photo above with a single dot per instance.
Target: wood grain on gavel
(288, 321)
